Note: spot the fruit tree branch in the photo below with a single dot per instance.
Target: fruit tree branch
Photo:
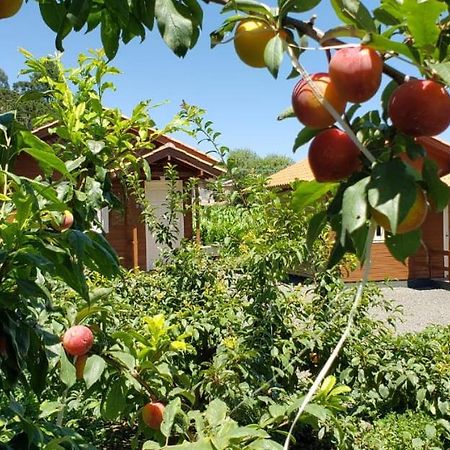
(308, 29)
(345, 334)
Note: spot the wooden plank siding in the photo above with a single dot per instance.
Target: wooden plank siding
(383, 266)
(122, 223)
(424, 264)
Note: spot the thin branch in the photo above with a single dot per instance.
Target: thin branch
(345, 334)
(311, 31)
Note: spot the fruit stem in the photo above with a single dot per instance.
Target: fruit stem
(324, 371)
(301, 70)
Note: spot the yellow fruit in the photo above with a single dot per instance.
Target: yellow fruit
(250, 40)
(413, 220)
(9, 7)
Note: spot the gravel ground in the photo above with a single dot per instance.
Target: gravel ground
(421, 307)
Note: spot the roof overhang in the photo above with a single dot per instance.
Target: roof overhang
(165, 148)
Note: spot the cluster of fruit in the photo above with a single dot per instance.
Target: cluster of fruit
(77, 341)
(416, 107)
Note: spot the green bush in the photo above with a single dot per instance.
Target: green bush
(408, 431)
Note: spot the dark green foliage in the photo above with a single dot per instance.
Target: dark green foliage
(26, 109)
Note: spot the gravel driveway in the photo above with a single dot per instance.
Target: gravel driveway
(421, 307)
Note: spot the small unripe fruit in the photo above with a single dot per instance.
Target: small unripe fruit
(309, 109)
(250, 41)
(420, 108)
(333, 156)
(152, 414)
(413, 220)
(80, 364)
(9, 7)
(356, 73)
(78, 340)
(67, 220)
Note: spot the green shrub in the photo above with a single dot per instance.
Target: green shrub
(411, 430)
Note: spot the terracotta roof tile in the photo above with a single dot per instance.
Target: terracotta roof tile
(298, 171)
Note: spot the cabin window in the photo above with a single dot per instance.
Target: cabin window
(103, 218)
(379, 234)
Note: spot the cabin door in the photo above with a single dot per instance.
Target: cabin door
(446, 241)
(156, 192)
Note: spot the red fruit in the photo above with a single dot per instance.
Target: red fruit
(78, 340)
(64, 222)
(152, 414)
(333, 156)
(356, 73)
(420, 108)
(308, 109)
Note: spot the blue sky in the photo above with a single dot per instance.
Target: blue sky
(242, 102)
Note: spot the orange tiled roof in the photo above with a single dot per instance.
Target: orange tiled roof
(302, 171)
(298, 171)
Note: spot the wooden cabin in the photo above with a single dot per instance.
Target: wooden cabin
(432, 259)
(126, 232)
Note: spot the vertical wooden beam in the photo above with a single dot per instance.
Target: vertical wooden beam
(197, 214)
(135, 246)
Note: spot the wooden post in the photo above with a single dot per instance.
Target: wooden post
(135, 245)
(197, 214)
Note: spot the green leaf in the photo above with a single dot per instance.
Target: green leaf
(354, 208)
(110, 34)
(95, 366)
(48, 408)
(120, 10)
(327, 385)
(146, 12)
(248, 6)
(392, 190)
(317, 411)
(307, 193)
(170, 412)
(67, 370)
(264, 444)
(273, 54)
(37, 364)
(43, 153)
(422, 21)
(403, 245)
(372, 39)
(437, 191)
(202, 444)
(151, 445)
(354, 12)
(299, 6)
(386, 96)
(286, 114)
(442, 70)
(216, 412)
(176, 29)
(304, 136)
(315, 226)
(53, 14)
(340, 390)
(115, 401)
(78, 13)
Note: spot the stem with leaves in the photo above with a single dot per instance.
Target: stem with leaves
(326, 367)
